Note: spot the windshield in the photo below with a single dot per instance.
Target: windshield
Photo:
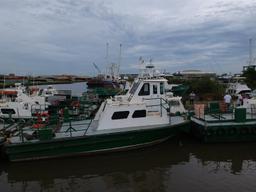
(134, 87)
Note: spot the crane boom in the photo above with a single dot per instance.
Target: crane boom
(96, 67)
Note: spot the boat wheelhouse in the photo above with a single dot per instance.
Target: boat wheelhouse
(143, 105)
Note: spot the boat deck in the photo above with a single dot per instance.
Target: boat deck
(223, 119)
(88, 127)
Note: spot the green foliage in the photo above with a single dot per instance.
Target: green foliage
(250, 75)
(205, 88)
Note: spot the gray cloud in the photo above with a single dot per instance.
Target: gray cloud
(65, 36)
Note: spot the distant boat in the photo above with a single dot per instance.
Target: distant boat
(109, 79)
(102, 83)
(237, 86)
(17, 104)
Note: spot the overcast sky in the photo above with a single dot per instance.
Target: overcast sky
(67, 36)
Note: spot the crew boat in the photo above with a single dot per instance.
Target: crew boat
(16, 104)
(140, 118)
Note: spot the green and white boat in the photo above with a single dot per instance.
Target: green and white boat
(142, 117)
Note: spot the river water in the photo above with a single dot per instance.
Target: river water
(77, 88)
(184, 165)
(180, 164)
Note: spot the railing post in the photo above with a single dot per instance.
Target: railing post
(88, 127)
(21, 133)
(169, 104)
(70, 128)
(161, 107)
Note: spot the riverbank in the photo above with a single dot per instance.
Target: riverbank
(12, 84)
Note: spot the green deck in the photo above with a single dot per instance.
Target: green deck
(217, 127)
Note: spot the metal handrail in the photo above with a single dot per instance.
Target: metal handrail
(161, 105)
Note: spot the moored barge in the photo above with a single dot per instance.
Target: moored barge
(217, 125)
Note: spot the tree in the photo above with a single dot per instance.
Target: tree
(250, 75)
(207, 89)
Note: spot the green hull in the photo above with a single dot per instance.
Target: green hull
(89, 144)
(233, 132)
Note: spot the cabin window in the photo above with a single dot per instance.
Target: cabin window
(144, 90)
(161, 88)
(7, 111)
(139, 114)
(154, 89)
(40, 92)
(120, 115)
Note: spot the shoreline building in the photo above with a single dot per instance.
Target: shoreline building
(194, 74)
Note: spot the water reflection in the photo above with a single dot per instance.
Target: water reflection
(234, 155)
(170, 166)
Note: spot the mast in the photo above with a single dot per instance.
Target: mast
(141, 66)
(4, 83)
(107, 63)
(250, 51)
(119, 62)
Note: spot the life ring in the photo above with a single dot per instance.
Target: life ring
(220, 132)
(61, 112)
(244, 130)
(75, 104)
(43, 118)
(210, 132)
(249, 130)
(232, 131)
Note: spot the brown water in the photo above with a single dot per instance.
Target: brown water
(172, 166)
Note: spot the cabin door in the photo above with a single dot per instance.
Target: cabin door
(154, 101)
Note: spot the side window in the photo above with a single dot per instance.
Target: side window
(144, 90)
(120, 115)
(154, 89)
(161, 88)
(7, 111)
(139, 114)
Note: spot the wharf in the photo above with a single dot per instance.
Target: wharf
(232, 126)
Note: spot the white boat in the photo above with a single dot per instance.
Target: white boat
(141, 117)
(237, 86)
(48, 91)
(21, 105)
